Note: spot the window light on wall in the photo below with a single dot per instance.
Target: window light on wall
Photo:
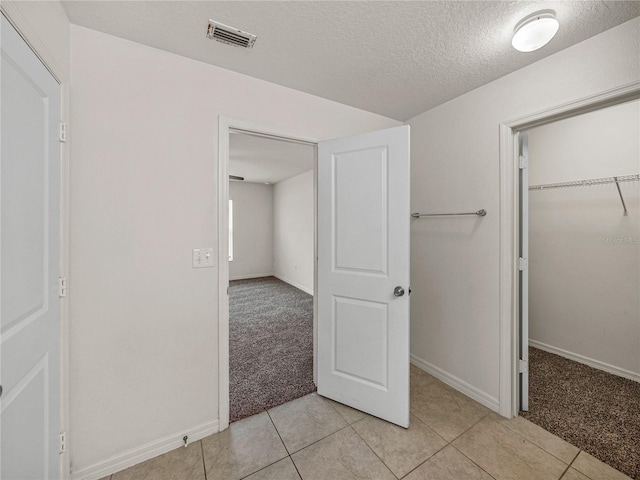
(230, 230)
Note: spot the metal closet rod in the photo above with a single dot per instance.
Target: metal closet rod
(479, 213)
(594, 181)
(588, 182)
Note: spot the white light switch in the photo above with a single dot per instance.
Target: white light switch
(202, 257)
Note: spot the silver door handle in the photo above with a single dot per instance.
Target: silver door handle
(398, 291)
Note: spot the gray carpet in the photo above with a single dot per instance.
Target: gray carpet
(591, 409)
(270, 345)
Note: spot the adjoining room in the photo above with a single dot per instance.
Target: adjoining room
(271, 272)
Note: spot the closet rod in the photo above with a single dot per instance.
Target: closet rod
(479, 213)
(589, 182)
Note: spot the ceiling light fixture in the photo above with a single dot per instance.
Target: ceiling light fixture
(535, 31)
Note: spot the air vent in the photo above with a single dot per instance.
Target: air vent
(229, 35)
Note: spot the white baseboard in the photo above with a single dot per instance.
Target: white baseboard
(469, 390)
(621, 372)
(294, 284)
(144, 452)
(253, 275)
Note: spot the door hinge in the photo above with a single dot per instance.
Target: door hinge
(523, 366)
(63, 442)
(523, 162)
(62, 287)
(63, 132)
(523, 264)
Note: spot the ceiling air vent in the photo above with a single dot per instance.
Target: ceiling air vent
(229, 35)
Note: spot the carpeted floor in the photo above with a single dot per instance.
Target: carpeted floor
(270, 345)
(591, 409)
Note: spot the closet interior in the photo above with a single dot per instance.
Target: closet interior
(584, 282)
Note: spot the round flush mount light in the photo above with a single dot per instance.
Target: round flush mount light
(535, 31)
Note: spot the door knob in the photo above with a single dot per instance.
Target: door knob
(398, 291)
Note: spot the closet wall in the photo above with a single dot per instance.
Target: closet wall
(584, 256)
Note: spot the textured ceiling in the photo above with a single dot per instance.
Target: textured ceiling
(396, 58)
(265, 160)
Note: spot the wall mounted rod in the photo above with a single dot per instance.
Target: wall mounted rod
(479, 213)
(624, 206)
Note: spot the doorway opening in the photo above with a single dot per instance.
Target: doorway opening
(361, 193)
(579, 294)
(271, 271)
(267, 275)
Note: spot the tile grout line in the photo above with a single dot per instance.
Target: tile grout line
(427, 426)
(448, 443)
(571, 463)
(263, 468)
(426, 460)
(374, 452)
(204, 465)
(467, 429)
(285, 446)
(319, 440)
(472, 461)
(296, 467)
(279, 436)
(462, 453)
(330, 402)
(272, 463)
(536, 443)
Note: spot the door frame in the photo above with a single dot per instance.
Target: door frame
(30, 34)
(225, 126)
(510, 223)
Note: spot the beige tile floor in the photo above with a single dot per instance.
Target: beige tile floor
(451, 437)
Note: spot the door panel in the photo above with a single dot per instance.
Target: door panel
(29, 261)
(368, 202)
(363, 254)
(366, 323)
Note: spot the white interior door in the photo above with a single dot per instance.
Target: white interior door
(363, 272)
(524, 271)
(29, 261)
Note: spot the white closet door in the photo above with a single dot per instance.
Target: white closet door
(29, 259)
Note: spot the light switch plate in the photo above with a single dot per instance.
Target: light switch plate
(202, 257)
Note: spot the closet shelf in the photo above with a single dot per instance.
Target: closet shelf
(593, 181)
(588, 182)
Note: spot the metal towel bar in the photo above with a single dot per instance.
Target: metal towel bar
(479, 213)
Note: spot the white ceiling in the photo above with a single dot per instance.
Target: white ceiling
(265, 160)
(395, 58)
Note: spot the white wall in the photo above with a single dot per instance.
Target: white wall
(455, 168)
(293, 231)
(584, 255)
(252, 230)
(143, 189)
